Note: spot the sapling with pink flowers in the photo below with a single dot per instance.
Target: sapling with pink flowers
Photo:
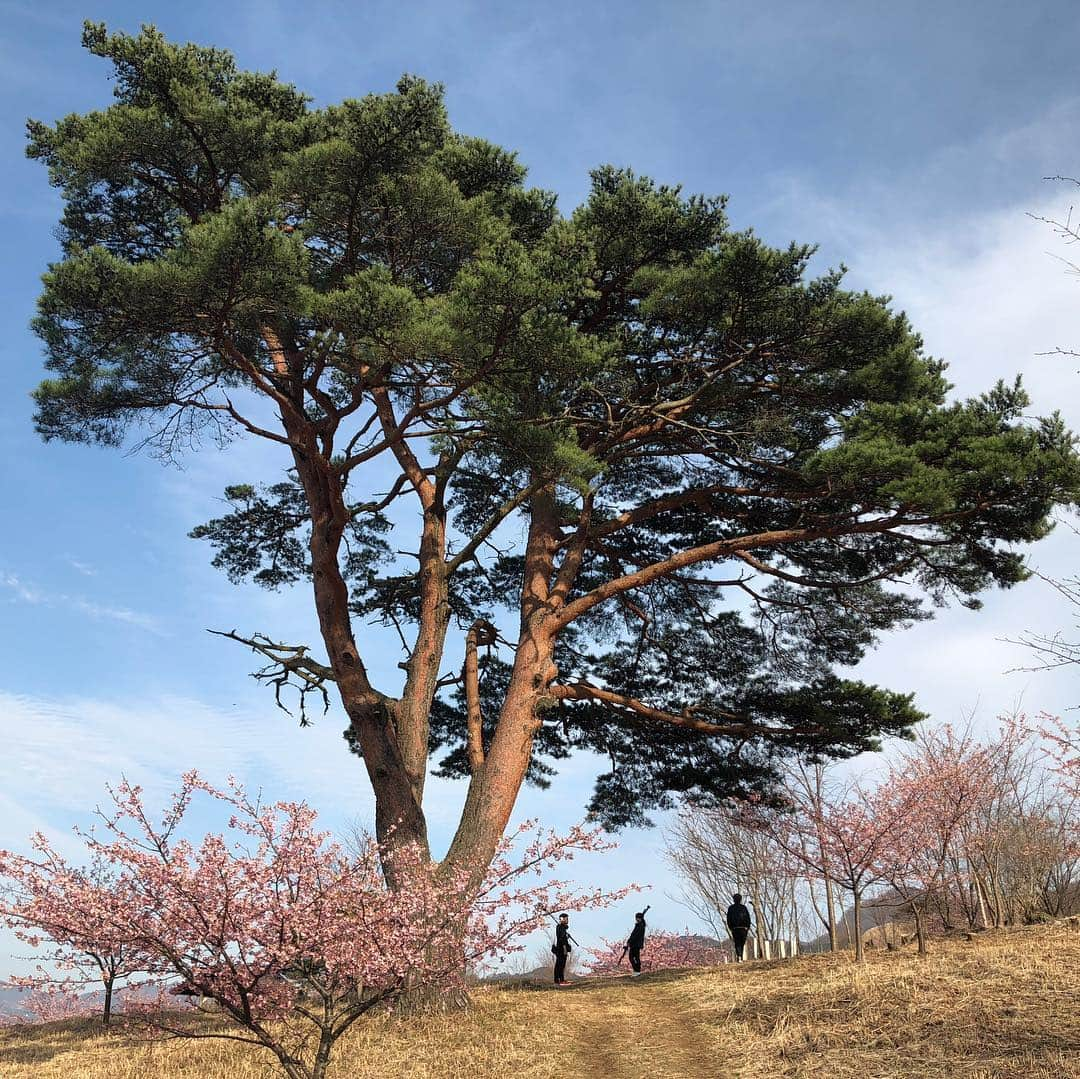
(72, 909)
(934, 795)
(842, 836)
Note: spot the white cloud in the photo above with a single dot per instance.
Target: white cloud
(20, 589)
(62, 751)
(26, 593)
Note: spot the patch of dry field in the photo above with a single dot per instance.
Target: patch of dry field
(1004, 1006)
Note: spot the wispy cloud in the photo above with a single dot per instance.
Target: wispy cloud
(85, 569)
(24, 592)
(21, 590)
(60, 752)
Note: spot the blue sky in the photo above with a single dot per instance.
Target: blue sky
(909, 140)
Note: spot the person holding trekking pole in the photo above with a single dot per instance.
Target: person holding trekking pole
(636, 942)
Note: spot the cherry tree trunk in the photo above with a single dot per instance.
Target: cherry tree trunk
(857, 918)
(106, 1015)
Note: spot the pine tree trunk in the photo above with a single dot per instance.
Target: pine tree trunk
(494, 786)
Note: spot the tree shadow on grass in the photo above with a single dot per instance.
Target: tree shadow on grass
(36, 1043)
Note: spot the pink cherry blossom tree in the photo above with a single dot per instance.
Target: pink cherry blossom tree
(1021, 854)
(55, 1002)
(934, 796)
(839, 836)
(293, 937)
(44, 899)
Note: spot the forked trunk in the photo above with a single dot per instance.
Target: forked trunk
(494, 785)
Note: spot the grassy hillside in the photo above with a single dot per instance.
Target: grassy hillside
(1003, 1006)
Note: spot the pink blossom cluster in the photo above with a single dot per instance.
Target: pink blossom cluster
(57, 909)
(46, 1003)
(662, 951)
(1063, 744)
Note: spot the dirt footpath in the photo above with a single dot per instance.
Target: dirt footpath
(631, 1028)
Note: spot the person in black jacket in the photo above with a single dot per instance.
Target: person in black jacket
(561, 948)
(636, 942)
(738, 923)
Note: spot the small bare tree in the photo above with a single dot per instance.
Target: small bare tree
(717, 855)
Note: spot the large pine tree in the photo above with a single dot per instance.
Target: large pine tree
(654, 481)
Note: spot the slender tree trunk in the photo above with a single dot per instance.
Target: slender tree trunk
(761, 927)
(830, 904)
(980, 898)
(322, 1056)
(997, 897)
(920, 930)
(857, 915)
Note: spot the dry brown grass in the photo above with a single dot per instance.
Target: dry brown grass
(1004, 1006)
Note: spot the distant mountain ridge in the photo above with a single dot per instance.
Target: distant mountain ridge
(10, 1002)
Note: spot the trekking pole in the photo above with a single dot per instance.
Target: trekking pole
(569, 937)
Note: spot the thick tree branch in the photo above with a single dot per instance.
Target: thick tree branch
(730, 547)
(740, 727)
